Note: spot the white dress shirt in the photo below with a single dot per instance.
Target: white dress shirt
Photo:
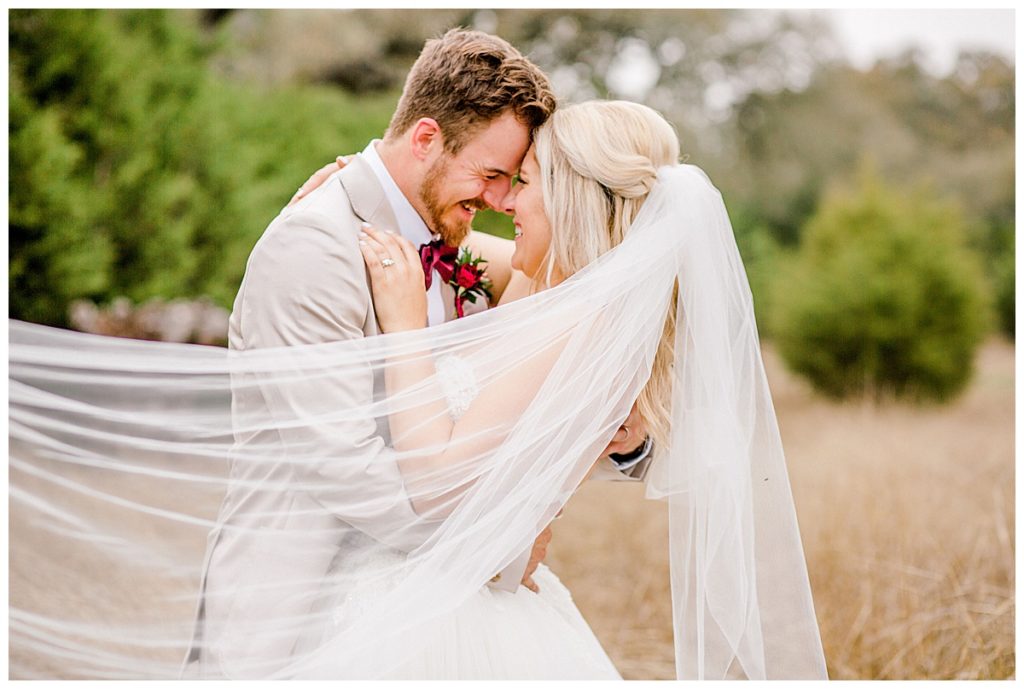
(410, 226)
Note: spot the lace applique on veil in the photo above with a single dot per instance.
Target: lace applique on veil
(458, 383)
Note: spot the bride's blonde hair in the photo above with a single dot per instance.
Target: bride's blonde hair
(598, 161)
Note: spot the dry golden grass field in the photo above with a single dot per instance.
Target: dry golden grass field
(907, 517)
(906, 513)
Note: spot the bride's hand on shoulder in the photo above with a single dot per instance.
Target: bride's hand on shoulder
(318, 178)
(396, 279)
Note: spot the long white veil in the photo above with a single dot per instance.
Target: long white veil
(345, 520)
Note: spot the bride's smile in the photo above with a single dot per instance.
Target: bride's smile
(533, 232)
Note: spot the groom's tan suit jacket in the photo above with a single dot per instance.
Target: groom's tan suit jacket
(305, 283)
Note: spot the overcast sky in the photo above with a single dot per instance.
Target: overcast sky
(870, 34)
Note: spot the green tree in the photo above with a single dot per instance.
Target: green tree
(884, 298)
(54, 257)
(137, 171)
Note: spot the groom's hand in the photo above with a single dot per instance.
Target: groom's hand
(629, 437)
(537, 555)
(318, 178)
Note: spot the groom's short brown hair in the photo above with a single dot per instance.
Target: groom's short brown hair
(464, 80)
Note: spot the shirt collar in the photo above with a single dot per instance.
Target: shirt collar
(410, 224)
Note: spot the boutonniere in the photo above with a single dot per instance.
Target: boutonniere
(469, 280)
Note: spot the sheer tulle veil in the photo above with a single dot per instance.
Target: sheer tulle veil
(127, 458)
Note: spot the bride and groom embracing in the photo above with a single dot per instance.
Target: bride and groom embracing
(396, 467)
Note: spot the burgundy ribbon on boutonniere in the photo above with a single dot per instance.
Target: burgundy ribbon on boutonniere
(437, 255)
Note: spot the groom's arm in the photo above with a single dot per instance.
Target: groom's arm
(632, 465)
(629, 455)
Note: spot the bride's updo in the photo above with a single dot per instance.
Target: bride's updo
(598, 162)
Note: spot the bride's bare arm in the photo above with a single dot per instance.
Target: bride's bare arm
(400, 301)
(397, 282)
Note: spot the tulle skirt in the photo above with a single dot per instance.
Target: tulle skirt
(498, 635)
(522, 635)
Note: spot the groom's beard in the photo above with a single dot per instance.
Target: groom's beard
(452, 232)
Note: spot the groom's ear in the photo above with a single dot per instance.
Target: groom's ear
(426, 139)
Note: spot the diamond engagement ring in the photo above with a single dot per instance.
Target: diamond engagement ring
(387, 262)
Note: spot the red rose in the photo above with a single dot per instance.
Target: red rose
(467, 277)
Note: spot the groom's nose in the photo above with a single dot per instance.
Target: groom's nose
(507, 205)
(496, 193)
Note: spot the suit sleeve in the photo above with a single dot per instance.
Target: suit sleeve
(607, 470)
(306, 284)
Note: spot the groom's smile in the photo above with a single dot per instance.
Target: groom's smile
(478, 176)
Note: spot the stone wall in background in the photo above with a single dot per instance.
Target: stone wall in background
(197, 321)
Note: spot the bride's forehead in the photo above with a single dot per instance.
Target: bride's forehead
(530, 160)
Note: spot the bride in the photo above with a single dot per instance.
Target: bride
(629, 281)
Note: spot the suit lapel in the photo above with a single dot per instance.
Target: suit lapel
(367, 195)
(370, 204)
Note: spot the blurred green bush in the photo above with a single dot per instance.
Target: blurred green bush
(1005, 281)
(761, 254)
(883, 297)
(136, 170)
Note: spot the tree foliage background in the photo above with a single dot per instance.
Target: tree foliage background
(150, 148)
(137, 170)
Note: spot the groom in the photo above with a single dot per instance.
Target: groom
(459, 133)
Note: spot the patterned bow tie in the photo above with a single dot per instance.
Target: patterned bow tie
(437, 255)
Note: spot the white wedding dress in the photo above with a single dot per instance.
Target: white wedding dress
(494, 634)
